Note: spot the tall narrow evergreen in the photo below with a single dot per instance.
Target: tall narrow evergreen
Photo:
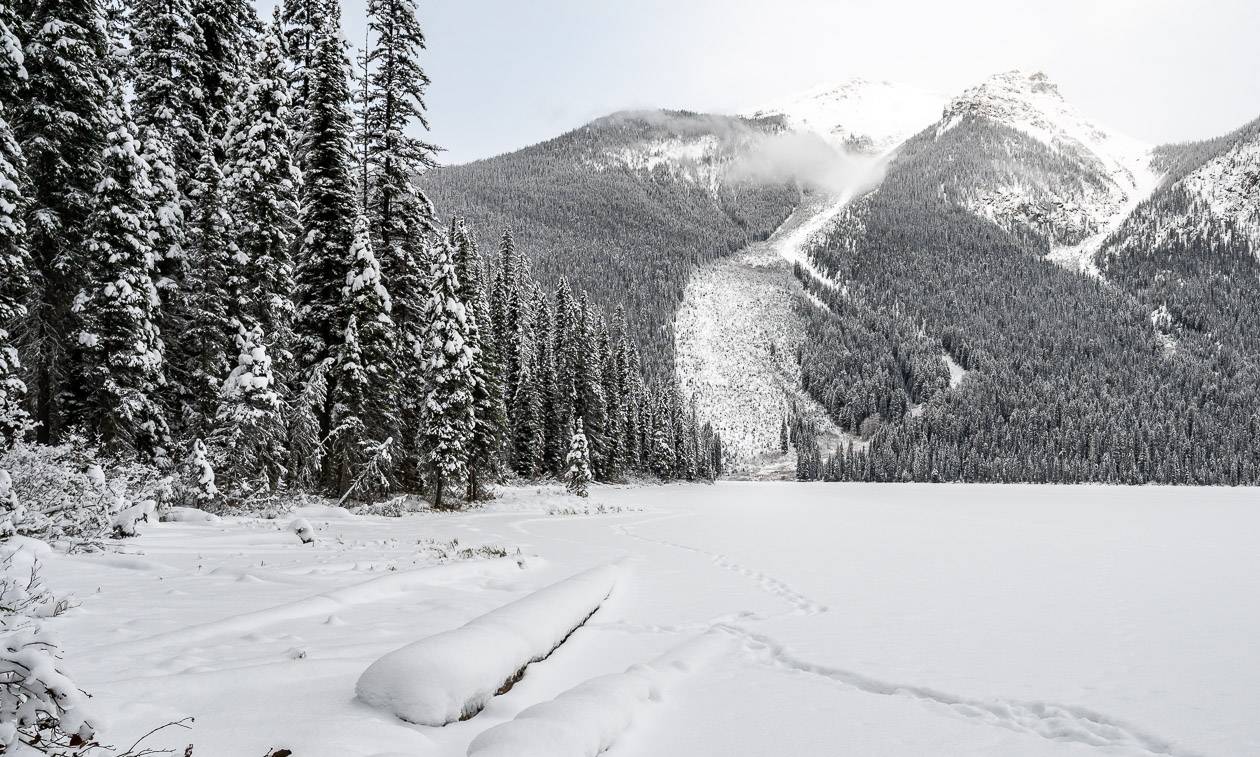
(393, 106)
(302, 21)
(169, 98)
(14, 256)
(200, 347)
(364, 393)
(261, 183)
(447, 422)
(489, 413)
(60, 126)
(229, 29)
(248, 440)
(119, 369)
(328, 209)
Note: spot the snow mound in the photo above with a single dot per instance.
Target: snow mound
(451, 676)
(589, 718)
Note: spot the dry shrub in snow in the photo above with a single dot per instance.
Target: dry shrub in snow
(68, 496)
(42, 711)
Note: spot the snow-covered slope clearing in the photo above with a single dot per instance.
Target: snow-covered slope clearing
(450, 676)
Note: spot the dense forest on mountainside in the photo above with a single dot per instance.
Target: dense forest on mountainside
(1198, 270)
(1068, 380)
(592, 206)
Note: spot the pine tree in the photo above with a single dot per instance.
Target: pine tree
(120, 363)
(526, 410)
(261, 183)
(489, 412)
(229, 31)
(577, 475)
(302, 22)
(60, 126)
(249, 434)
(169, 98)
(328, 211)
(201, 472)
(447, 421)
(365, 388)
(14, 257)
(199, 358)
(394, 88)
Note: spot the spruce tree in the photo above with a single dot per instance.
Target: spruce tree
(577, 474)
(526, 410)
(201, 355)
(447, 422)
(489, 413)
(248, 441)
(14, 256)
(261, 184)
(393, 106)
(229, 31)
(328, 210)
(119, 370)
(366, 384)
(169, 98)
(60, 124)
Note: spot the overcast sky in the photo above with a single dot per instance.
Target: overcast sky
(508, 73)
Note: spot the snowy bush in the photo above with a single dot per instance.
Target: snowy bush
(68, 496)
(303, 530)
(42, 711)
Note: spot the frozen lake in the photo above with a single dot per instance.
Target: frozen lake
(838, 618)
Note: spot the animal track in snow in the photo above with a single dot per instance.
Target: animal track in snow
(802, 604)
(1055, 722)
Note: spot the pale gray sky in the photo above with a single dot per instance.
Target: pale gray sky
(508, 73)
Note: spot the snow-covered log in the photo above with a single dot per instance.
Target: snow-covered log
(451, 676)
(588, 719)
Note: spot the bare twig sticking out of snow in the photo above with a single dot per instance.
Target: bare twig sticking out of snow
(452, 675)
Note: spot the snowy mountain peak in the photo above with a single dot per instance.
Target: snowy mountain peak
(860, 113)
(1031, 103)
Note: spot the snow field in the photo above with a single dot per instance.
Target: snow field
(450, 676)
(589, 718)
(891, 620)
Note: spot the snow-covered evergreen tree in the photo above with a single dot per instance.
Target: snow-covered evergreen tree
(198, 355)
(261, 184)
(328, 207)
(201, 475)
(489, 412)
(302, 20)
(248, 444)
(577, 474)
(169, 98)
(60, 126)
(14, 255)
(393, 106)
(229, 32)
(119, 369)
(366, 387)
(526, 411)
(447, 421)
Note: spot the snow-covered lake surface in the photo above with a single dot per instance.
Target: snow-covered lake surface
(769, 618)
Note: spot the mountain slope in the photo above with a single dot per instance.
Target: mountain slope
(1042, 170)
(1190, 251)
(1067, 381)
(626, 206)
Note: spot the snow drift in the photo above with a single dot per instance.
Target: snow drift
(451, 676)
(589, 718)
